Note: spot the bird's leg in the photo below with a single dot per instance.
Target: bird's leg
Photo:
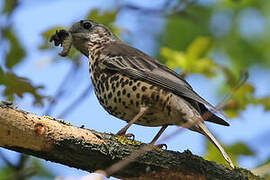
(123, 131)
(158, 135)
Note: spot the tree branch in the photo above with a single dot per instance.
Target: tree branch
(54, 140)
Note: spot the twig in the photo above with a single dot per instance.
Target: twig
(75, 103)
(59, 91)
(7, 161)
(22, 161)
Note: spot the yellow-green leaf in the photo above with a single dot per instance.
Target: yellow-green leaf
(178, 59)
(239, 100)
(199, 48)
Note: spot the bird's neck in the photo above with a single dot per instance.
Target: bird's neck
(96, 43)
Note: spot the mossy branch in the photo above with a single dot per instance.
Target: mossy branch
(57, 141)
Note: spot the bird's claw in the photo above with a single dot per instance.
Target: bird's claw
(161, 146)
(128, 135)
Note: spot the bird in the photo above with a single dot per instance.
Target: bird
(135, 87)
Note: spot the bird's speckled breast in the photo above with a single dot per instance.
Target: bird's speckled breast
(123, 97)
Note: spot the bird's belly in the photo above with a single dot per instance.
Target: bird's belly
(123, 97)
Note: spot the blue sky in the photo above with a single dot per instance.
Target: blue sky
(34, 17)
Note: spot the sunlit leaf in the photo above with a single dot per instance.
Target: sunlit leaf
(16, 51)
(192, 61)
(199, 48)
(173, 58)
(265, 101)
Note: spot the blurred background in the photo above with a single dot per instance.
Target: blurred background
(210, 42)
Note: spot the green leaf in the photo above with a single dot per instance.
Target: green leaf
(194, 60)
(107, 18)
(265, 101)
(182, 29)
(239, 100)
(2, 74)
(32, 168)
(6, 173)
(16, 52)
(234, 151)
(9, 6)
(238, 4)
(14, 85)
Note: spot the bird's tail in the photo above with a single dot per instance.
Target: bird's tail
(204, 130)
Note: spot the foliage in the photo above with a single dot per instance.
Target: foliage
(15, 85)
(193, 60)
(16, 53)
(107, 18)
(234, 151)
(9, 6)
(34, 168)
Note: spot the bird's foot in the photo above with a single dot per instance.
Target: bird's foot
(161, 146)
(128, 135)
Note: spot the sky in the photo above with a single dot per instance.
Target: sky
(34, 17)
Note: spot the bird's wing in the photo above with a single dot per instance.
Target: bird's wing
(137, 65)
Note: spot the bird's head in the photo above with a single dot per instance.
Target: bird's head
(86, 34)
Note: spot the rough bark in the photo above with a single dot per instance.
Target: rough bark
(54, 140)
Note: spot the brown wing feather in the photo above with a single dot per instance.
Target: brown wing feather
(138, 65)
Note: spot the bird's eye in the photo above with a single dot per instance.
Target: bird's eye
(87, 25)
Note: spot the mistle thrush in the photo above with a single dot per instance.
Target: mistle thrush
(135, 87)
